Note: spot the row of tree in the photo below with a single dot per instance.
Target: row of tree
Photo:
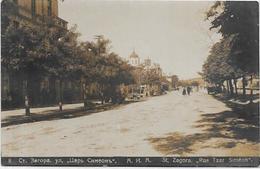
(236, 54)
(37, 51)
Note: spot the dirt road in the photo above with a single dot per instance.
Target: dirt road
(168, 125)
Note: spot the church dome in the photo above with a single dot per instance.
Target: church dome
(134, 55)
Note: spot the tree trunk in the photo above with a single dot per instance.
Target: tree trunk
(84, 96)
(26, 99)
(33, 88)
(223, 88)
(52, 90)
(235, 84)
(60, 93)
(227, 86)
(231, 87)
(244, 86)
(251, 88)
(102, 97)
(102, 94)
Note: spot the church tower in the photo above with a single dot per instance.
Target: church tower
(134, 59)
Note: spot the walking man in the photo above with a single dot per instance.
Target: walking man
(184, 91)
(188, 90)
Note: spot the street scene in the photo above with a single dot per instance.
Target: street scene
(130, 78)
(159, 126)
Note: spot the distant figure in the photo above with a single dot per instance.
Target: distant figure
(184, 91)
(188, 90)
(224, 89)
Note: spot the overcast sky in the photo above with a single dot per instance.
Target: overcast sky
(173, 34)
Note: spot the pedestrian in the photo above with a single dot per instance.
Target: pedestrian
(184, 91)
(188, 90)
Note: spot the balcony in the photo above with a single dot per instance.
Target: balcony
(60, 22)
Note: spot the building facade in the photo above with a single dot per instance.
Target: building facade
(148, 62)
(38, 12)
(144, 70)
(43, 90)
(39, 7)
(134, 59)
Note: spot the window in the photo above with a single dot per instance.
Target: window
(33, 7)
(49, 7)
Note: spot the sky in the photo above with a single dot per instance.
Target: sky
(171, 33)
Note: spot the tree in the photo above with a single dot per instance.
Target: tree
(23, 50)
(37, 51)
(219, 66)
(105, 69)
(66, 57)
(114, 73)
(195, 83)
(40, 51)
(239, 19)
(175, 80)
(183, 83)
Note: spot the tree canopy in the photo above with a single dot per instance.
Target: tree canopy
(44, 51)
(239, 19)
(219, 66)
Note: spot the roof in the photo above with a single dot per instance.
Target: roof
(134, 55)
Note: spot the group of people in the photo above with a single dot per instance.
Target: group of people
(186, 90)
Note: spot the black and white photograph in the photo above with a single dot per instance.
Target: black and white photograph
(129, 83)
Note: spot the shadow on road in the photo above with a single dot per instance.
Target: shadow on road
(47, 115)
(242, 98)
(56, 114)
(237, 126)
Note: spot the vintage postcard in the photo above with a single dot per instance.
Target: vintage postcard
(129, 83)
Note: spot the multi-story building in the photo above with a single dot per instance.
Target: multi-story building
(147, 62)
(142, 71)
(37, 12)
(157, 69)
(30, 13)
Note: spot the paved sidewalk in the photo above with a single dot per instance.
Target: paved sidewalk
(42, 110)
(16, 117)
